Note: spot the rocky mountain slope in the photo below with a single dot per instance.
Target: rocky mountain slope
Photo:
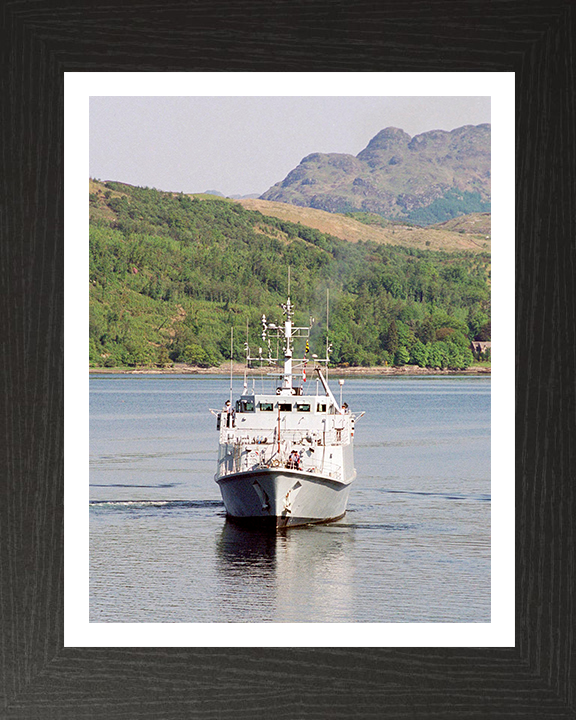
(426, 179)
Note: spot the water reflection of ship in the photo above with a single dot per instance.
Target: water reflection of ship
(239, 545)
(280, 576)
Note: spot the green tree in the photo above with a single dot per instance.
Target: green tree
(95, 357)
(163, 357)
(427, 333)
(392, 339)
(139, 352)
(419, 354)
(402, 356)
(437, 355)
(196, 355)
(484, 333)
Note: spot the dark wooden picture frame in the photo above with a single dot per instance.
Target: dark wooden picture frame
(39, 678)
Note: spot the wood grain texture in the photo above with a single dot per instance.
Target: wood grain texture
(38, 677)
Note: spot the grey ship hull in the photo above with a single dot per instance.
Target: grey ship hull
(280, 497)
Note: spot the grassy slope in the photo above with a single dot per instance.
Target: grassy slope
(447, 236)
(476, 224)
(437, 237)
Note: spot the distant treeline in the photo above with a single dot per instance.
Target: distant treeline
(171, 274)
(453, 204)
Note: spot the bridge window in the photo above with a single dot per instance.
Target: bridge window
(285, 407)
(266, 407)
(303, 407)
(321, 408)
(244, 406)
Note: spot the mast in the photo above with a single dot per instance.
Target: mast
(288, 311)
(327, 390)
(246, 364)
(278, 429)
(285, 334)
(327, 314)
(231, 359)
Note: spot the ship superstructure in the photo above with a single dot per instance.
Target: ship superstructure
(286, 456)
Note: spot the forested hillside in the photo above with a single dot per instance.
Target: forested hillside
(170, 274)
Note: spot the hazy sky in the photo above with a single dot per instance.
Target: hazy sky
(243, 145)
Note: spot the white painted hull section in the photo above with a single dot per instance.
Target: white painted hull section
(283, 497)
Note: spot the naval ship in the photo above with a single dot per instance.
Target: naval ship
(286, 456)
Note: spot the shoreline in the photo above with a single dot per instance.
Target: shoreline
(239, 369)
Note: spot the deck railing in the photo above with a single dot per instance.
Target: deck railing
(243, 462)
(298, 438)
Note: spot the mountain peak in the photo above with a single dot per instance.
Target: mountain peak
(389, 133)
(387, 138)
(397, 175)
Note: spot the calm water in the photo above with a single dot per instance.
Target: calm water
(413, 547)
